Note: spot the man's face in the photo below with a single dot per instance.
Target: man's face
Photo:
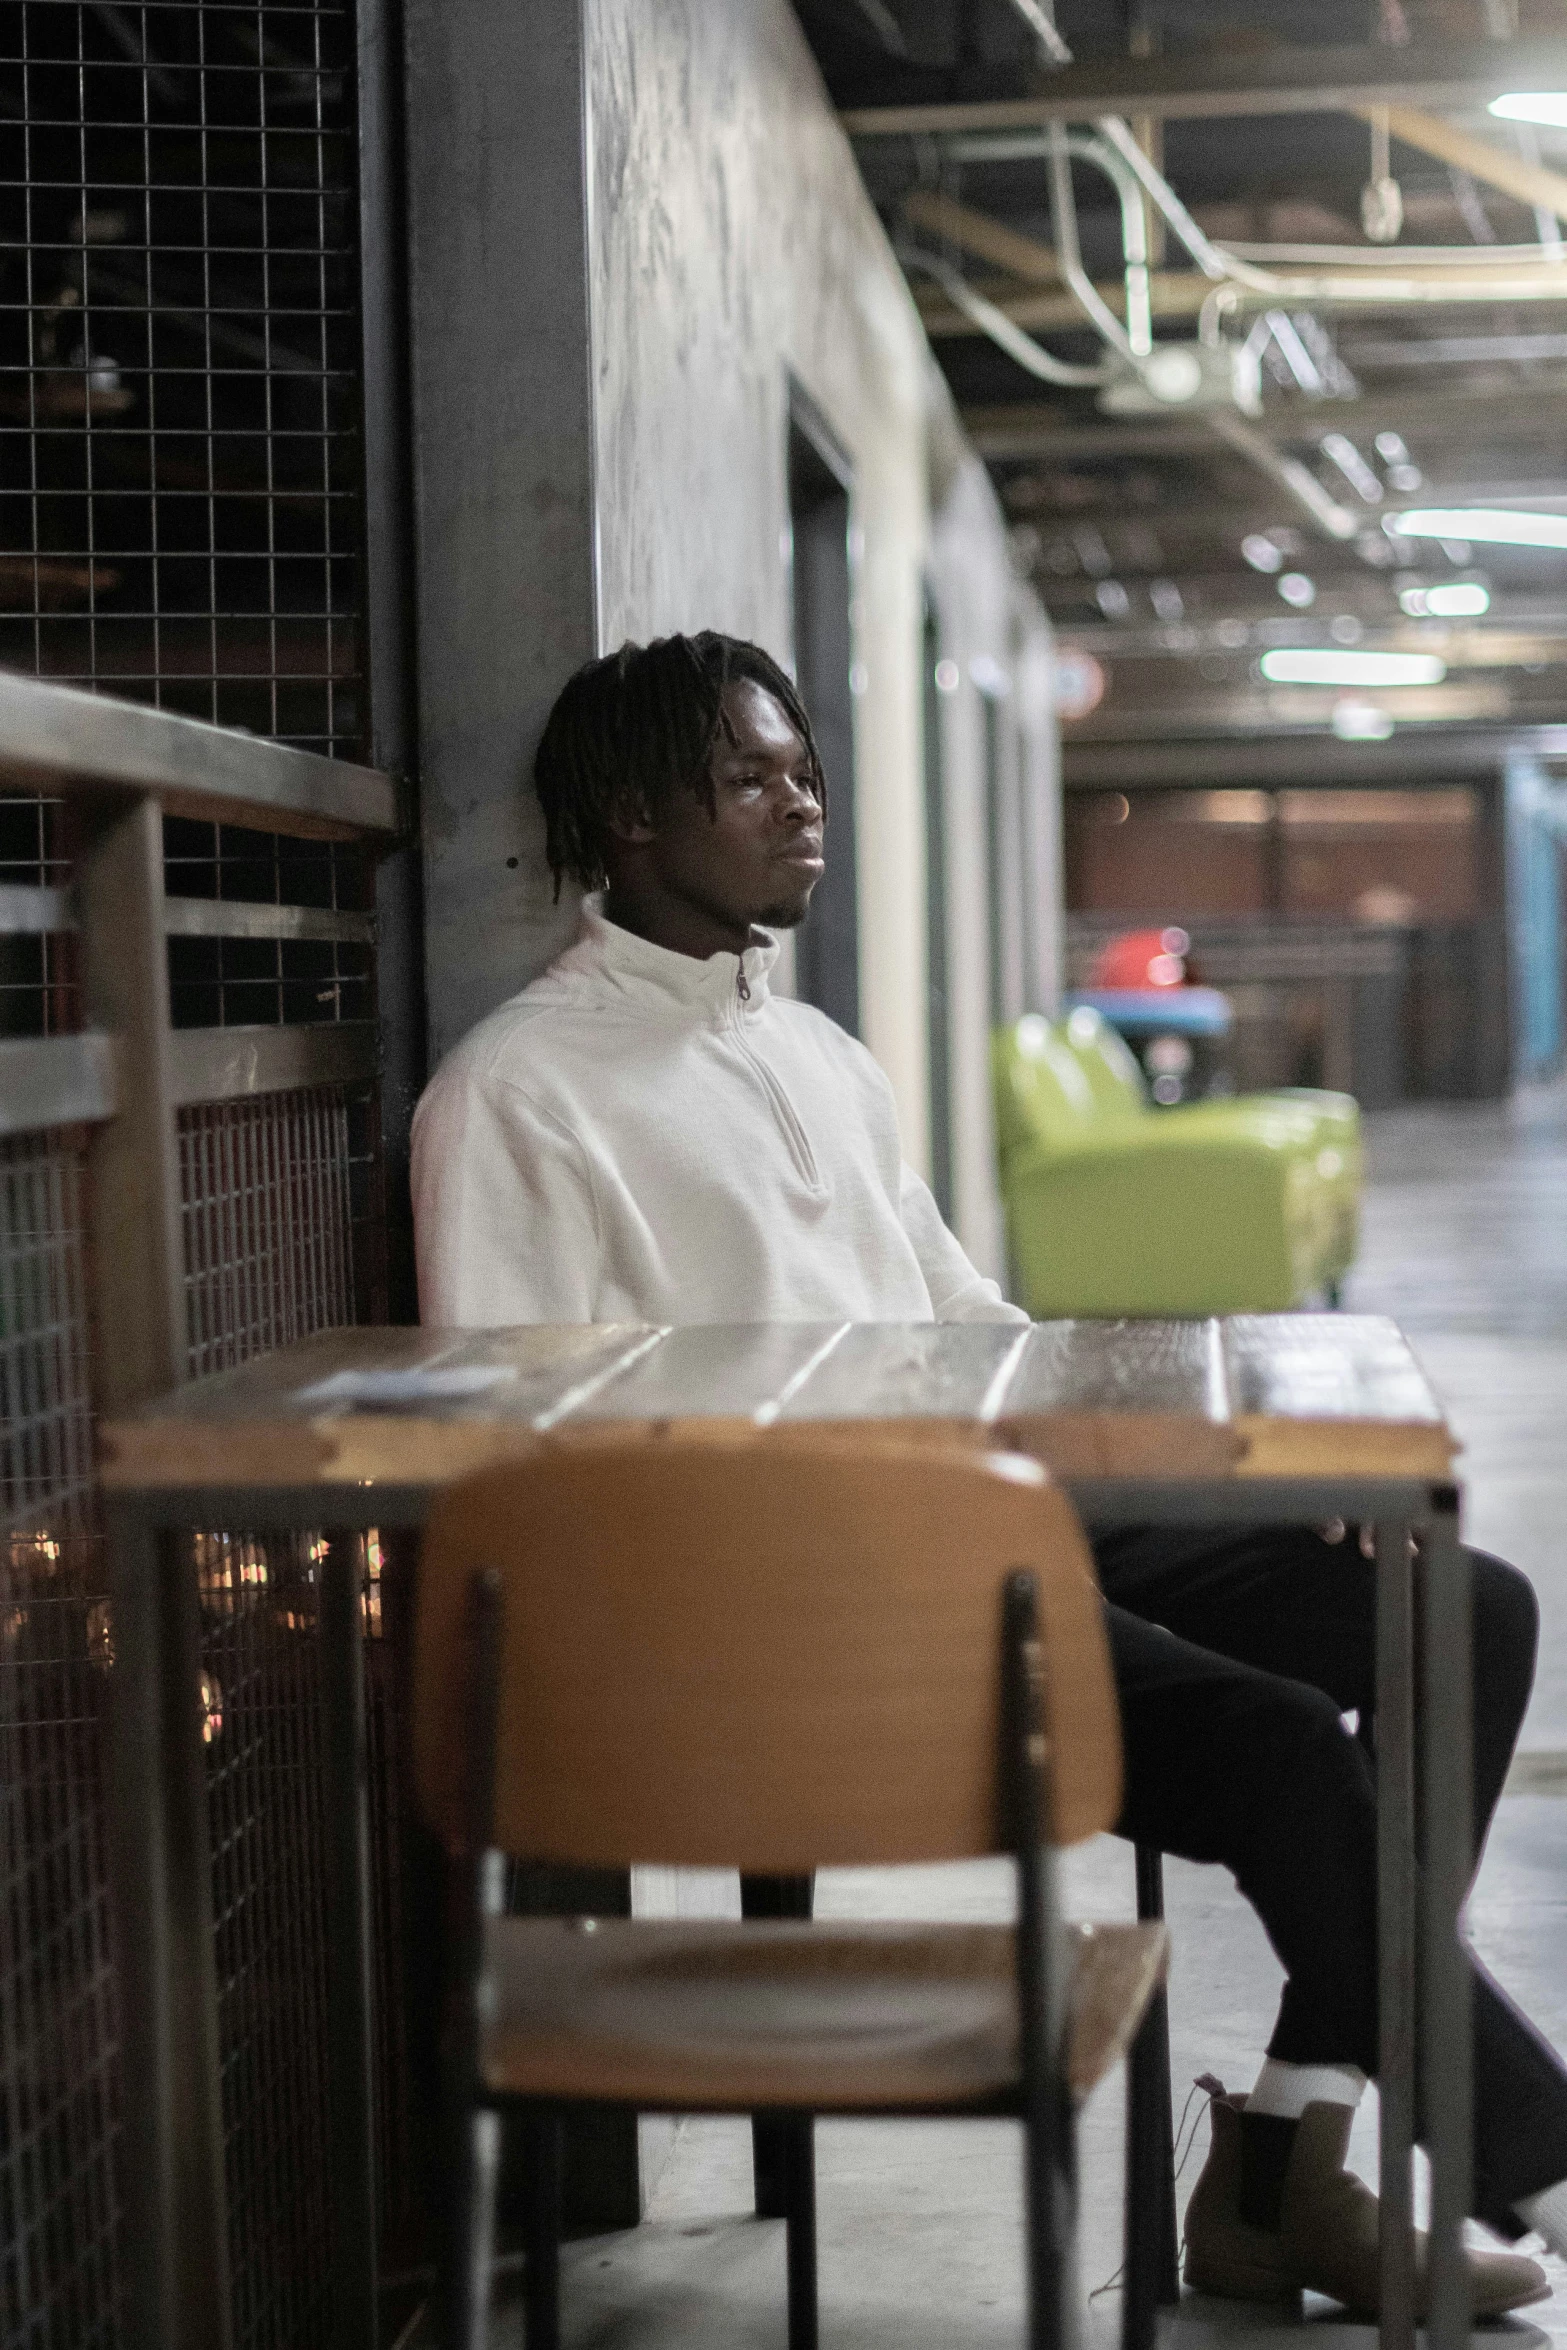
(757, 856)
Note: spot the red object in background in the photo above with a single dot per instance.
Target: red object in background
(1142, 958)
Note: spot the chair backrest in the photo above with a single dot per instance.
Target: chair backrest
(772, 1653)
(1044, 1101)
(1109, 1064)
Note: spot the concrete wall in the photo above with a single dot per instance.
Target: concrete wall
(731, 245)
(631, 227)
(995, 643)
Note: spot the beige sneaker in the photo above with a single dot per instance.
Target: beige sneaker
(1329, 2234)
(1224, 2254)
(1330, 2223)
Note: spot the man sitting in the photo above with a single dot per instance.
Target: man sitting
(647, 1134)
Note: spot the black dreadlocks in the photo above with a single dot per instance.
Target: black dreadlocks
(629, 731)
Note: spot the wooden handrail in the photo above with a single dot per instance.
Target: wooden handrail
(55, 739)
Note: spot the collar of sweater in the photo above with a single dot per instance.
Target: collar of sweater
(655, 980)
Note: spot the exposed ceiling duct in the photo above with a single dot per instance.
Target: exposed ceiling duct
(995, 186)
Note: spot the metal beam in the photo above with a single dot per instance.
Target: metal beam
(28, 911)
(1305, 758)
(1172, 294)
(1181, 294)
(1246, 82)
(1043, 429)
(1254, 714)
(232, 918)
(55, 739)
(137, 1244)
(977, 233)
(1526, 183)
(55, 1081)
(1460, 648)
(226, 1064)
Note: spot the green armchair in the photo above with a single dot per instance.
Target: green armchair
(1248, 1205)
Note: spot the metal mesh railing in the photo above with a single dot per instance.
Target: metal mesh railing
(268, 1249)
(179, 357)
(181, 524)
(259, 1655)
(60, 2286)
(39, 994)
(261, 1689)
(224, 982)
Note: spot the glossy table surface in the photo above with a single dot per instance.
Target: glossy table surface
(1278, 1396)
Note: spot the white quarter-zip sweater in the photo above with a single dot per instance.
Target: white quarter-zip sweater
(640, 1136)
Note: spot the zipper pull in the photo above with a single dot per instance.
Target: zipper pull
(742, 985)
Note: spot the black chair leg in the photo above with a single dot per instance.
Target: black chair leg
(1050, 2162)
(1147, 2182)
(541, 2229)
(799, 2147)
(772, 1897)
(1156, 2113)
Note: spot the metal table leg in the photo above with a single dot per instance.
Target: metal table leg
(345, 1748)
(773, 1897)
(1446, 2032)
(1396, 1924)
(176, 2210)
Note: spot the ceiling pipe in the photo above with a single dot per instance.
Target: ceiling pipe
(1134, 340)
(1002, 331)
(1223, 267)
(1526, 182)
(1317, 504)
(1329, 257)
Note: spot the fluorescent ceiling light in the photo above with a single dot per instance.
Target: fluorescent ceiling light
(1261, 553)
(1549, 106)
(1484, 526)
(1454, 599)
(1298, 590)
(1337, 665)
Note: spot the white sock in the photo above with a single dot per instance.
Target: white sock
(1287, 2090)
(1546, 2213)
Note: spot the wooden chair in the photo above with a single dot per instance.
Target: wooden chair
(771, 1655)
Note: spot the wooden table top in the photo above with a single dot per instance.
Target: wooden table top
(1251, 1396)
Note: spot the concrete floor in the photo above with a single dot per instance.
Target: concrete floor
(1466, 1244)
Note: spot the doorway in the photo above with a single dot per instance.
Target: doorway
(827, 947)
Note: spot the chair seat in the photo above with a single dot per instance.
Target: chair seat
(831, 2017)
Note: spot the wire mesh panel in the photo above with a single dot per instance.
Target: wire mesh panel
(178, 357)
(261, 1693)
(260, 1598)
(225, 982)
(38, 968)
(181, 523)
(59, 2212)
(268, 1251)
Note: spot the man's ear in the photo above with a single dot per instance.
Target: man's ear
(629, 821)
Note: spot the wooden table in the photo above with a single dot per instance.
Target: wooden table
(1271, 1420)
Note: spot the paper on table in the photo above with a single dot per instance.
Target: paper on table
(403, 1391)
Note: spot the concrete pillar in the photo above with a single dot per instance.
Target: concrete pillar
(503, 469)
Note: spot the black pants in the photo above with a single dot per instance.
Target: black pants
(1236, 1657)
